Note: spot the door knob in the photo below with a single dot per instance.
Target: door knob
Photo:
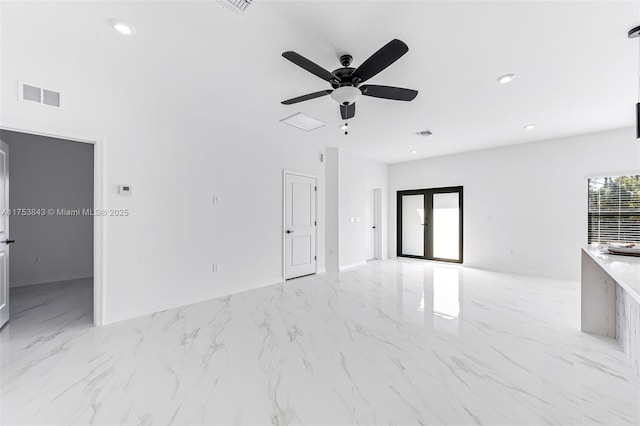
(373, 227)
(8, 241)
(289, 231)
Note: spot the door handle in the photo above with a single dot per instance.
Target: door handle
(289, 231)
(8, 241)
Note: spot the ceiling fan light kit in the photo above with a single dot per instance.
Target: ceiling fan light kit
(346, 95)
(635, 33)
(346, 81)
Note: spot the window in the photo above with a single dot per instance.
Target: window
(614, 209)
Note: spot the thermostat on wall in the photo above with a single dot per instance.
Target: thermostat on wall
(125, 190)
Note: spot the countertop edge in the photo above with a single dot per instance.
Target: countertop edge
(600, 258)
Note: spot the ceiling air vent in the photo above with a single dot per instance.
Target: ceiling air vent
(238, 6)
(424, 133)
(303, 121)
(33, 93)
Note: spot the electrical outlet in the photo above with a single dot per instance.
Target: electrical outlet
(36, 259)
(216, 200)
(214, 267)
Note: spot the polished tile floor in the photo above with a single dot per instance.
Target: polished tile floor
(392, 342)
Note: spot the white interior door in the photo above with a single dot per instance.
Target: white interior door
(370, 224)
(299, 225)
(4, 233)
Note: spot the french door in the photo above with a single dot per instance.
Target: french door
(430, 224)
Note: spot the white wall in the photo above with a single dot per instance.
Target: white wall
(356, 175)
(524, 205)
(332, 209)
(177, 147)
(47, 173)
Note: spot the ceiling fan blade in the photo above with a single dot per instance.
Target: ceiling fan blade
(380, 60)
(348, 111)
(312, 67)
(307, 97)
(388, 92)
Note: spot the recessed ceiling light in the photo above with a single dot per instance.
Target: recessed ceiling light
(303, 121)
(414, 152)
(507, 78)
(530, 127)
(122, 27)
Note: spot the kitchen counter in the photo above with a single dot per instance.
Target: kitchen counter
(610, 299)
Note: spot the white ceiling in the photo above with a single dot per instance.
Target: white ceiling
(576, 70)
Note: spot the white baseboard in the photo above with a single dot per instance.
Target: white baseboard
(148, 310)
(48, 280)
(352, 265)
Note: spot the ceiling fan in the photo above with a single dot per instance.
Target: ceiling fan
(347, 81)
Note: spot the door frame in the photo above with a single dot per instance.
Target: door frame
(5, 308)
(286, 172)
(377, 221)
(98, 202)
(428, 233)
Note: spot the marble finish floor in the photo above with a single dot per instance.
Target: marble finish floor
(393, 342)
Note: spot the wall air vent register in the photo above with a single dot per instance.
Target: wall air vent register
(32, 93)
(238, 6)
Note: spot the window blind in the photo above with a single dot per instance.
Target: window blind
(614, 209)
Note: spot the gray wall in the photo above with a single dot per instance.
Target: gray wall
(49, 173)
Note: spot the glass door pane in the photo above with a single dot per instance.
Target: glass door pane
(413, 225)
(446, 226)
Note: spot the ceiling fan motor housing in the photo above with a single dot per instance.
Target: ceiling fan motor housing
(343, 77)
(346, 91)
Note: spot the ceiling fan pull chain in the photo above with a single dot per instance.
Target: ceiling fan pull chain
(345, 127)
